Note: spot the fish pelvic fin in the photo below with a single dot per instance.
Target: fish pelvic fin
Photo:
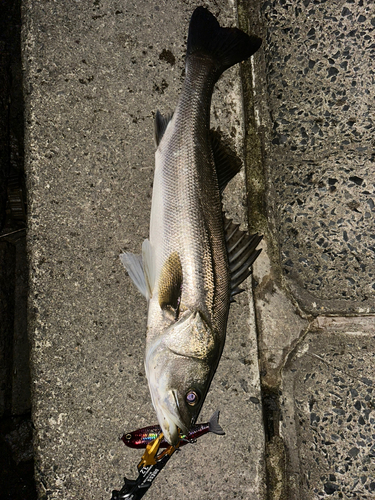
(242, 252)
(213, 424)
(225, 46)
(134, 265)
(161, 124)
(170, 284)
(227, 163)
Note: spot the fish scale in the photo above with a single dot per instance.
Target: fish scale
(196, 227)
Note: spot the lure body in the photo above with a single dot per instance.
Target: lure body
(142, 437)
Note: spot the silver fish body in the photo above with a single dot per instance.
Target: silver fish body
(185, 271)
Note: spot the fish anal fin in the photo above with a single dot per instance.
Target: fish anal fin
(161, 124)
(170, 283)
(226, 161)
(242, 253)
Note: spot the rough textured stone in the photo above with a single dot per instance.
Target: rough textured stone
(329, 412)
(319, 67)
(313, 199)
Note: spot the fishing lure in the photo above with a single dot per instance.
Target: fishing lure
(142, 437)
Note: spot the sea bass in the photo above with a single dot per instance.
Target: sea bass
(195, 258)
(142, 437)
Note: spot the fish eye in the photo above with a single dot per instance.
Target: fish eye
(192, 398)
(128, 437)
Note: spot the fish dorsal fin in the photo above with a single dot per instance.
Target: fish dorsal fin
(170, 284)
(226, 160)
(161, 124)
(242, 252)
(134, 265)
(148, 267)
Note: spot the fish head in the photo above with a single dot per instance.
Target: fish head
(179, 368)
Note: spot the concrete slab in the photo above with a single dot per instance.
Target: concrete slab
(329, 412)
(310, 182)
(95, 72)
(319, 67)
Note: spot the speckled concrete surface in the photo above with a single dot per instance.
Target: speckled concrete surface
(95, 73)
(314, 283)
(328, 403)
(319, 71)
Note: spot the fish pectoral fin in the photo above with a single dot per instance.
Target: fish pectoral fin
(134, 265)
(227, 163)
(140, 269)
(242, 252)
(170, 284)
(161, 124)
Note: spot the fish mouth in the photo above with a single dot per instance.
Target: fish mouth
(169, 418)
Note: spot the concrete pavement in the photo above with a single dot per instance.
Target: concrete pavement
(95, 72)
(314, 294)
(95, 75)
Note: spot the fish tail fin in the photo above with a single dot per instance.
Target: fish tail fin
(225, 46)
(214, 425)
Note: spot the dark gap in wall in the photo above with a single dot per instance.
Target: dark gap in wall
(16, 450)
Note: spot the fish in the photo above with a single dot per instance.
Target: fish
(142, 437)
(195, 258)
